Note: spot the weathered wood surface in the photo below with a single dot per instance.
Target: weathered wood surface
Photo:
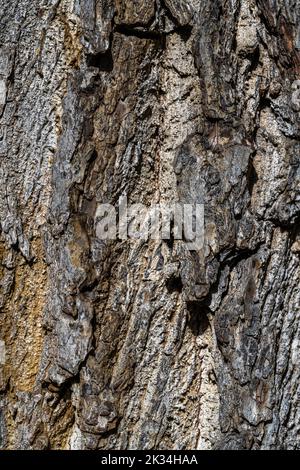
(126, 345)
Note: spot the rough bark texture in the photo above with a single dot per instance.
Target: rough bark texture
(126, 345)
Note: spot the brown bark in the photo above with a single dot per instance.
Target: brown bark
(145, 344)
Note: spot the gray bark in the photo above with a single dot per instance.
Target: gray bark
(147, 345)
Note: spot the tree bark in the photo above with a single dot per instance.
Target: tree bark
(144, 344)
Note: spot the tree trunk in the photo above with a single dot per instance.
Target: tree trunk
(144, 344)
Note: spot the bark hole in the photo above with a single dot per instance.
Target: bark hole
(103, 62)
(197, 321)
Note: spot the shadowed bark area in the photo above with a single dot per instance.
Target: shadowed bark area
(145, 344)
